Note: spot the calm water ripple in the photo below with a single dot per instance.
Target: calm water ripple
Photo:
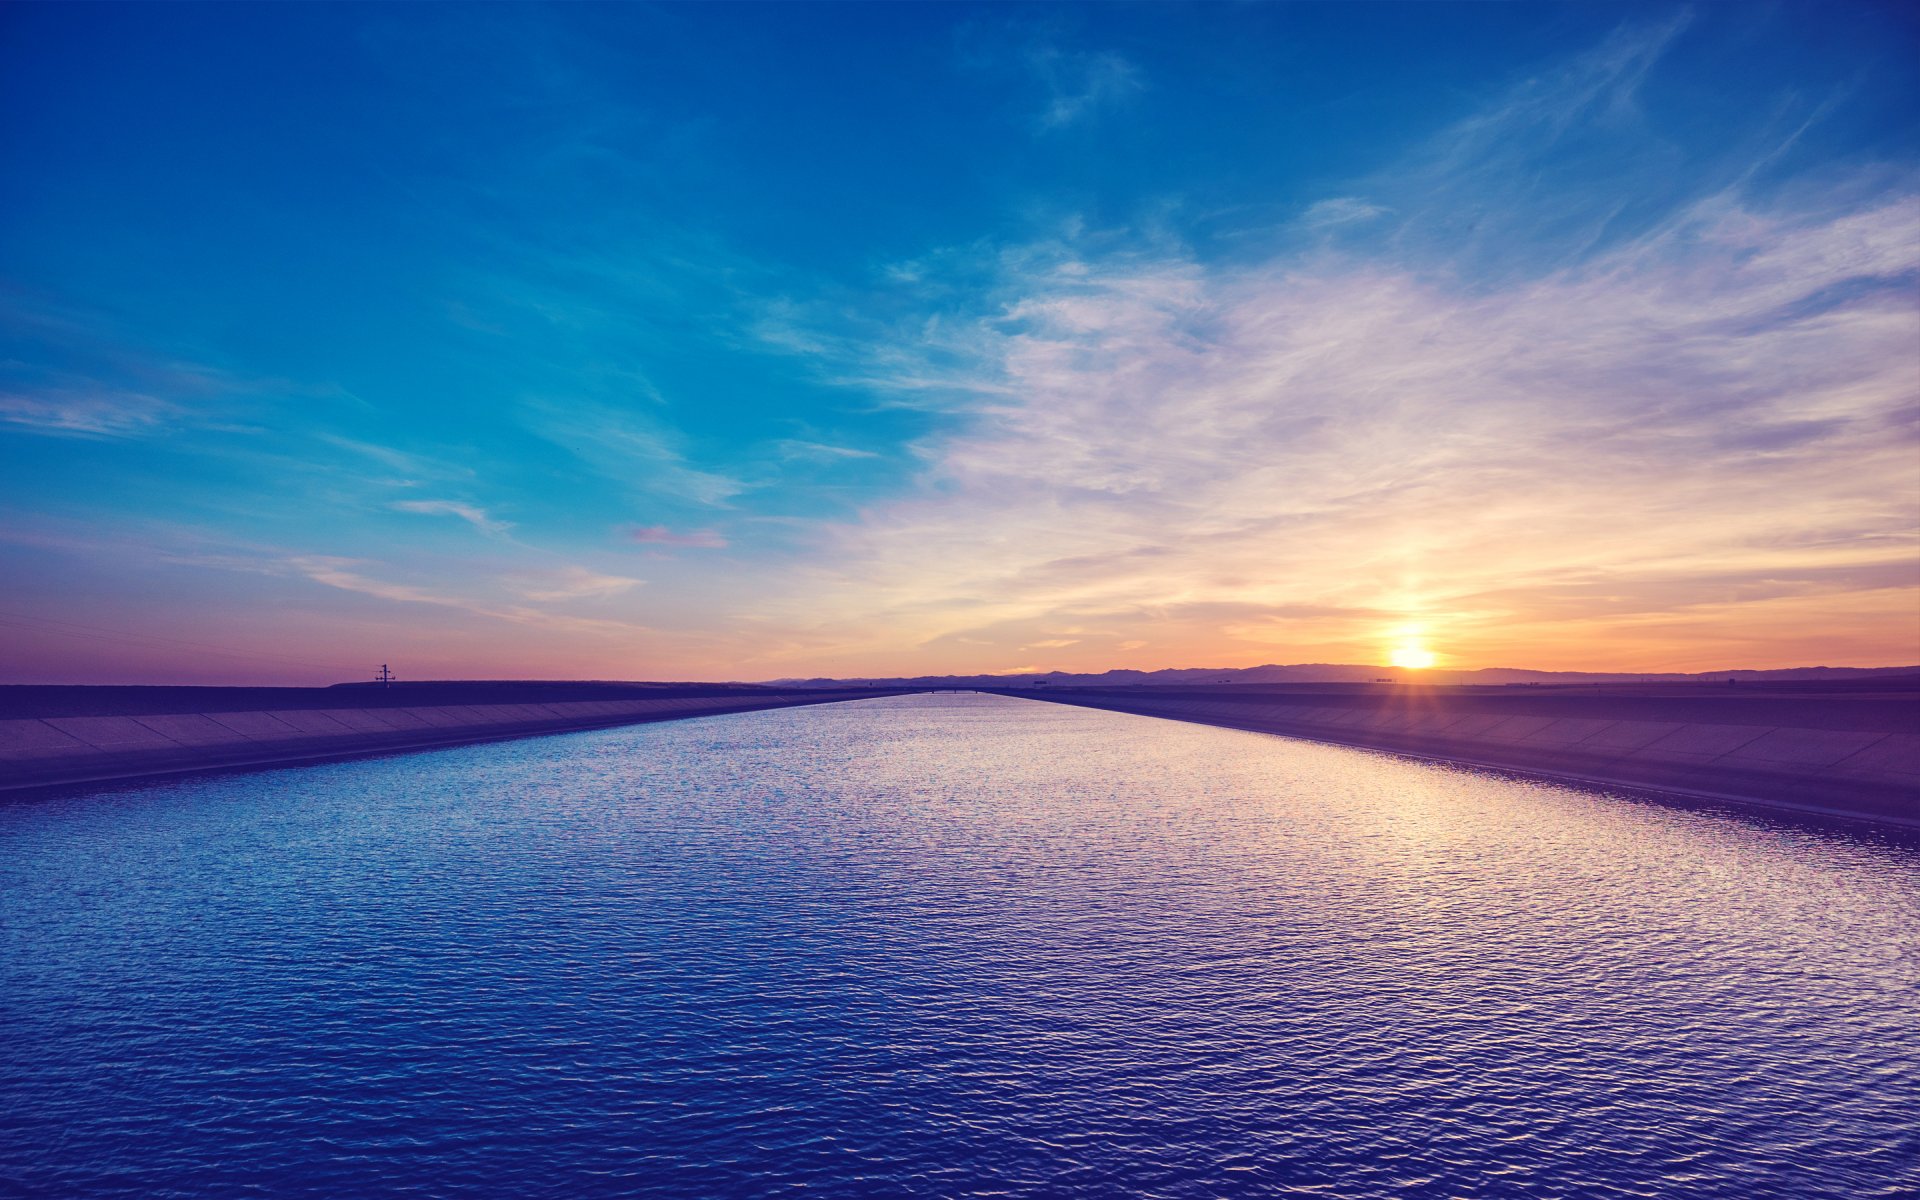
(945, 946)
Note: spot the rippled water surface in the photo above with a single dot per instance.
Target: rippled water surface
(945, 946)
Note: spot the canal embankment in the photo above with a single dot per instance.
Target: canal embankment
(56, 736)
(1831, 754)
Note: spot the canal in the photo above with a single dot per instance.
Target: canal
(946, 945)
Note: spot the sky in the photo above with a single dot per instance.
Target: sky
(746, 342)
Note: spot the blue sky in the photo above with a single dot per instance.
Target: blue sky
(739, 341)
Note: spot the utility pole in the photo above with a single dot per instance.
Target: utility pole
(385, 677)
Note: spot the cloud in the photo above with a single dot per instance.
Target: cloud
(578, 583)
(630, 450)
(89, 413)
(472, 515)
(800, 450)
(413, 468)
(344, 573)
(1563, 162)
(1340, 210)
(76, 372)
(349, 575)
(1350, 436)
(660, 535)
(1544, 411)
(1080, 83)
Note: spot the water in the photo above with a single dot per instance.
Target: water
(945, 946)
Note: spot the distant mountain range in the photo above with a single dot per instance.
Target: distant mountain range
(1347, 673)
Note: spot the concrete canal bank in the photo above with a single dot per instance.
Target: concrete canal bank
(85, 735)
(1855, 755)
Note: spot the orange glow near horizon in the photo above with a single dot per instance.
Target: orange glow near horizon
(1408, 648)
(1413, 657)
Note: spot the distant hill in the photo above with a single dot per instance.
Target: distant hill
(1350, 673)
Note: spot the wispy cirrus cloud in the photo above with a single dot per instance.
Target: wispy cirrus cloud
(577, 583)
(1563, 162)
(661, 535)
(470, 513)
(410, 467)
(1080, 83)
(70, 371)
(88, 413)
(631, 450)
(1075, 84)
(801, 450)
(1360, 438)
(355, 575)
(1683, 430)
(1340, 210)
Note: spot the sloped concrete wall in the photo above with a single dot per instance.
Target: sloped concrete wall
(1870, 773)
(51, 751)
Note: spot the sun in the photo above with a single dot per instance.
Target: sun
(1413, 658)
